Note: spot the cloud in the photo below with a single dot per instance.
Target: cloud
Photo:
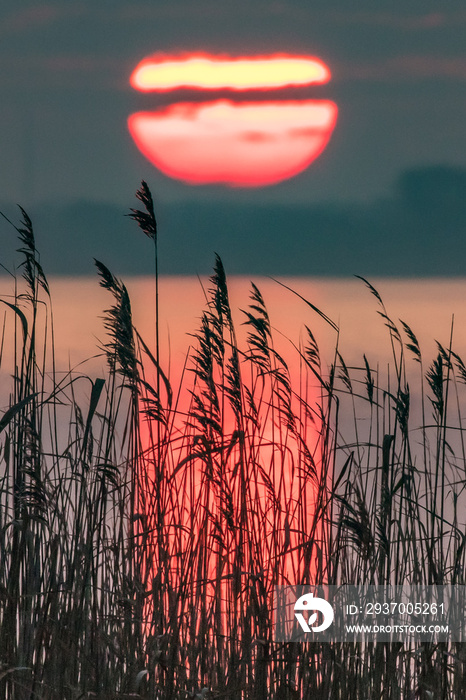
(430, 66)
(413, 22)
(62, 70)
(257, 137)
(210, 9)
(415, 67)
(38, 16)
(92, 70)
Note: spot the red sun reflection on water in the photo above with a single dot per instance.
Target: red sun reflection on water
(239, 144)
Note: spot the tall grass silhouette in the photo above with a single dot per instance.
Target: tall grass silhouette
(143, 526)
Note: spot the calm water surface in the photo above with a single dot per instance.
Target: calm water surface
(427, 305)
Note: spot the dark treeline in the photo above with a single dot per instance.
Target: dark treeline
(418, 231)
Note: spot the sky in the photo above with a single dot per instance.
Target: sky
(398, 79)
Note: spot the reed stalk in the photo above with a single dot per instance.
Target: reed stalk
(143, 527)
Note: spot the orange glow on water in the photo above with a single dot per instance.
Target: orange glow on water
(208, 73)
(237, 144)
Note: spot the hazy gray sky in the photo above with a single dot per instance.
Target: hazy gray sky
(399, 74)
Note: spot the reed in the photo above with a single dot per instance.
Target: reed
(143, 526)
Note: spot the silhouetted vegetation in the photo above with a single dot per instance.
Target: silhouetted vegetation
(144, 526)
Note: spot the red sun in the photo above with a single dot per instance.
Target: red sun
(239, 144)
